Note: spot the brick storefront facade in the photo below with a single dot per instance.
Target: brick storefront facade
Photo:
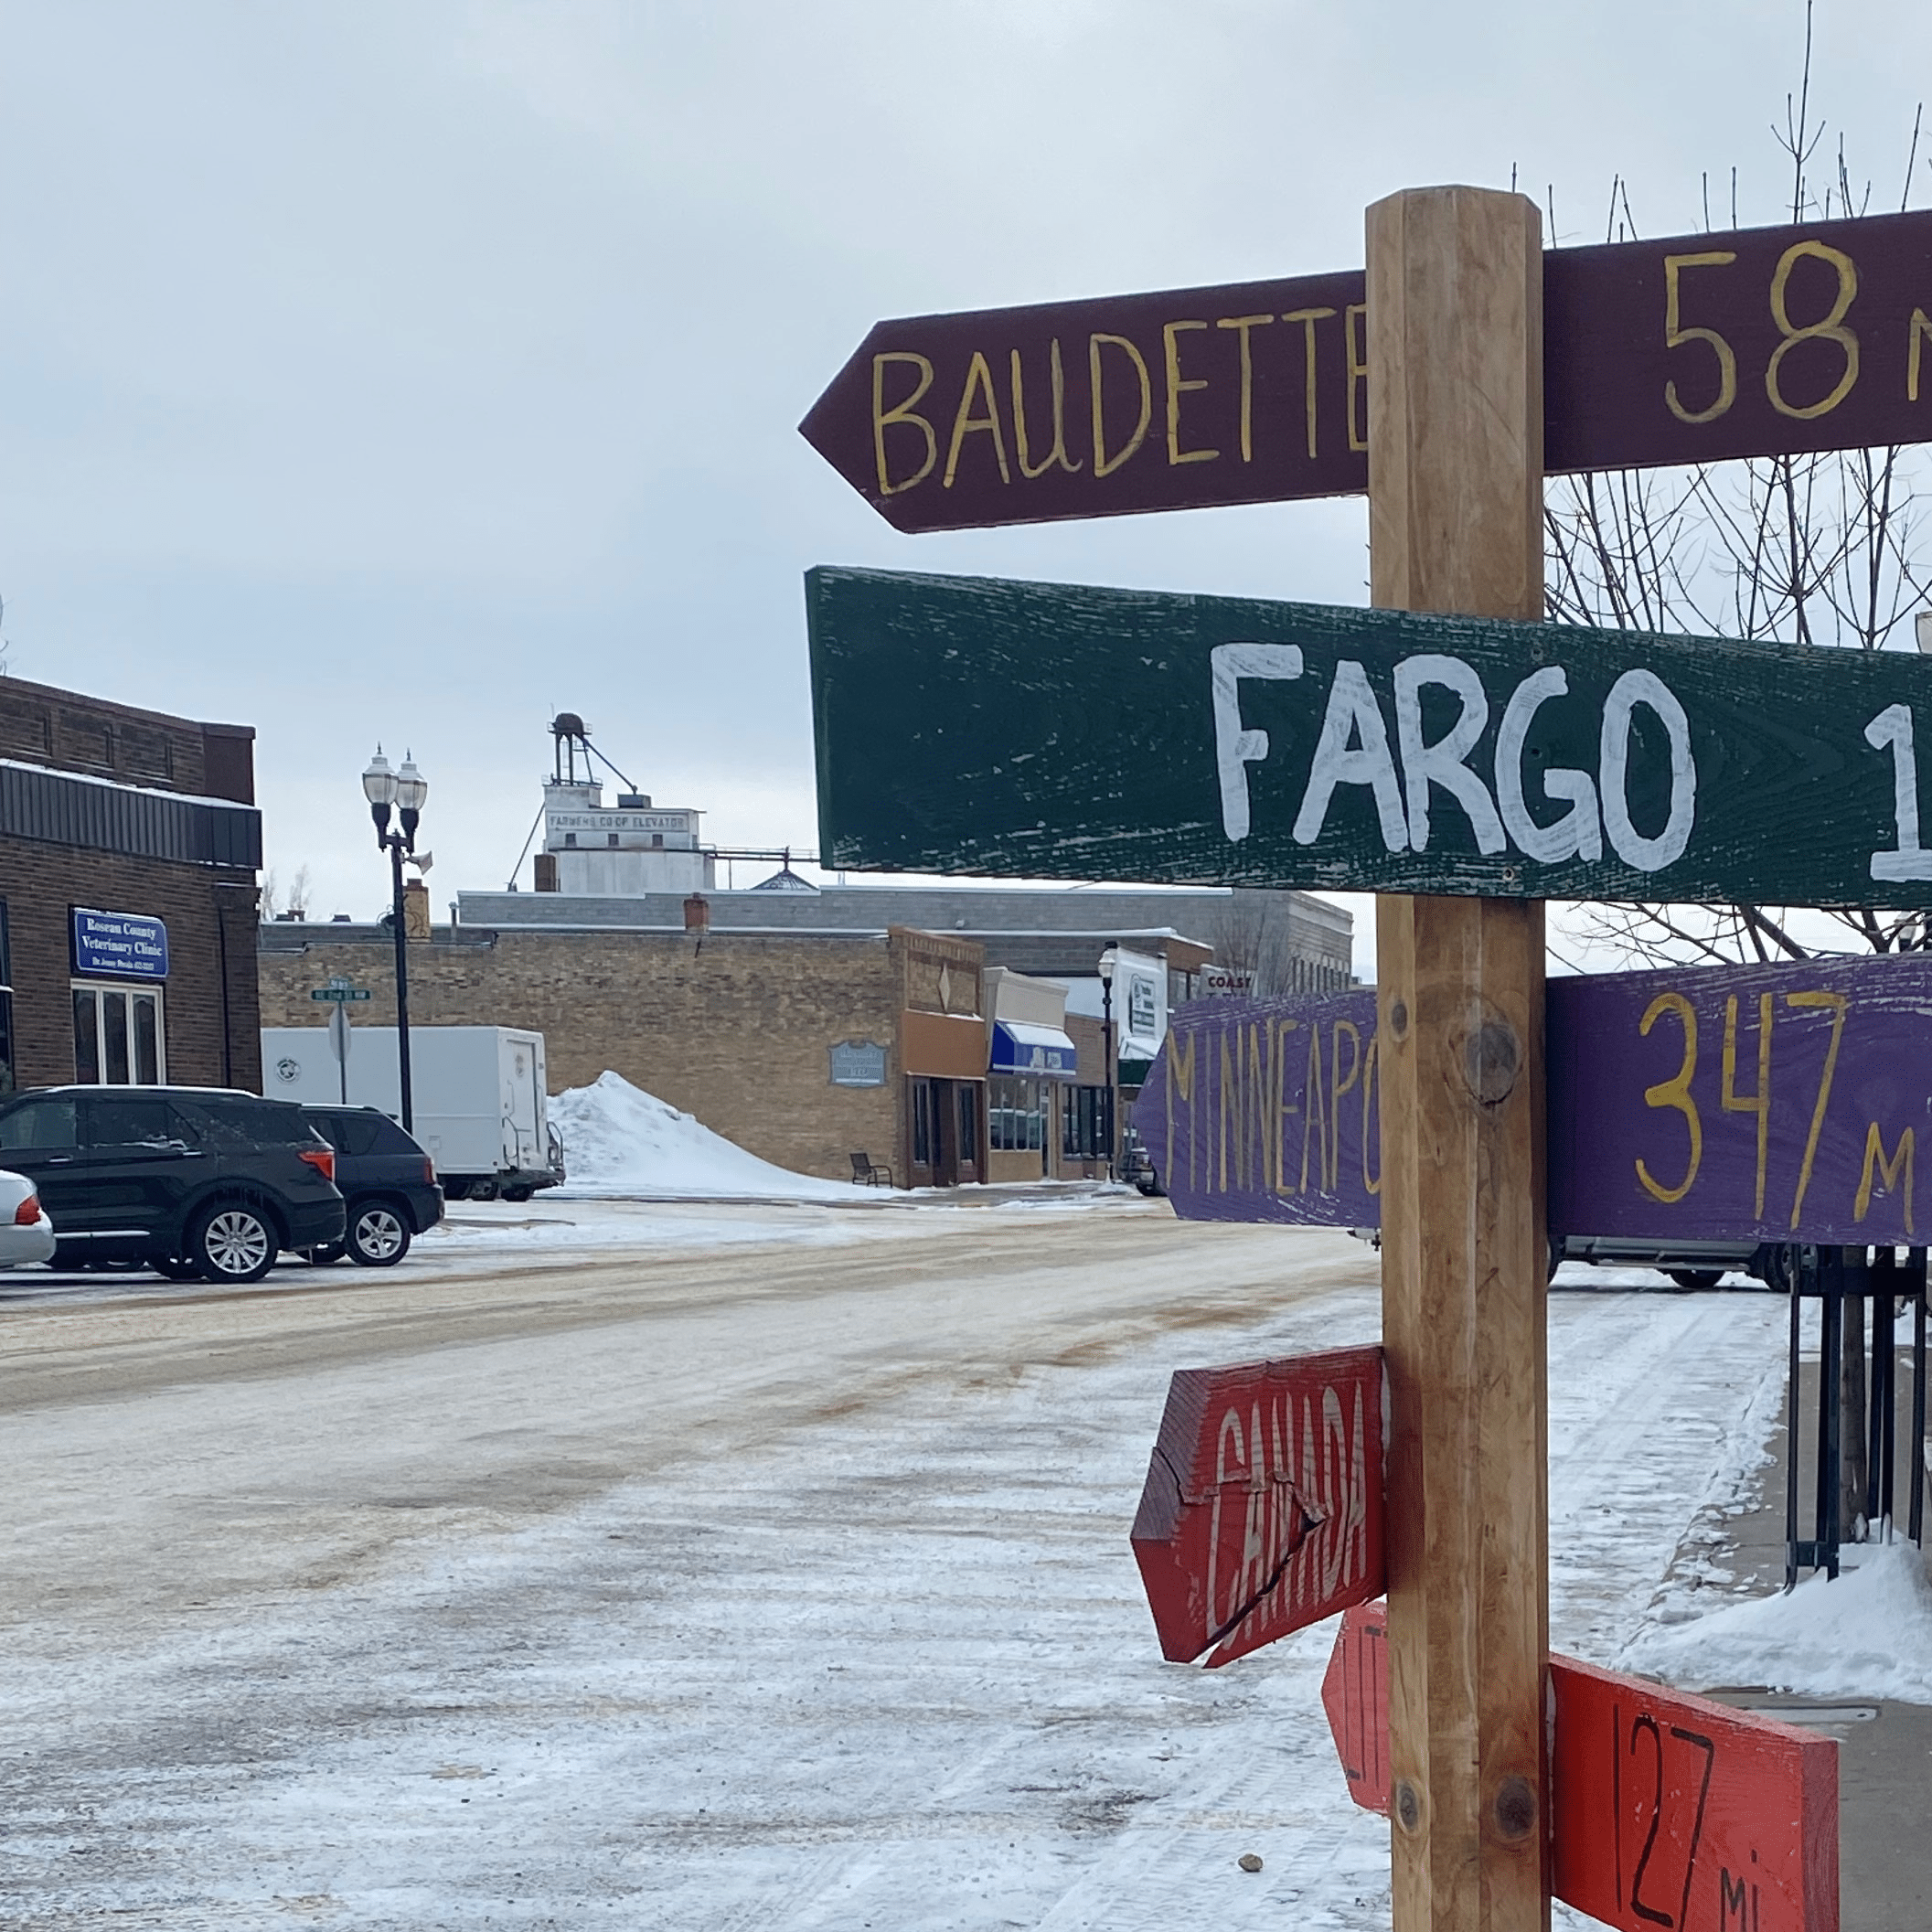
(737, 1028)
(107, 808)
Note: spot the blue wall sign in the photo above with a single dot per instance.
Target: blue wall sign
(120, 945)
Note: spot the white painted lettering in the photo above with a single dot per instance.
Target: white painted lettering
(1648, 855)
(1237, 747)
(1577, 834)
(1353, 714)
(1442, 764)
(1893, 727)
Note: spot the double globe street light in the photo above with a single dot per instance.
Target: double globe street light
(403, 790)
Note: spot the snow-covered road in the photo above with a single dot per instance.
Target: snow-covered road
(789, 1592)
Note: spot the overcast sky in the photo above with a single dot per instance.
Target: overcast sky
(407, 371)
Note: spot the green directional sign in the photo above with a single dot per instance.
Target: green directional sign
(964, 725)
(342, 995)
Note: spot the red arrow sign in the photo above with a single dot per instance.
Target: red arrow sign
(1263, 1506)
(1667, 1812)
(1752, 342)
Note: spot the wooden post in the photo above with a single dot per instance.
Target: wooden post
(1454, 354)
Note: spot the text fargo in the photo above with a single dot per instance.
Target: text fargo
(1353, 747)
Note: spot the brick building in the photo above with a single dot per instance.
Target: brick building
(128, 847)
(803, 1046)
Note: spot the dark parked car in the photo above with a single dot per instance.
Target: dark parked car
(190, 1181)
(387, 1180)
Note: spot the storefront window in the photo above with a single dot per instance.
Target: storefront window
(119, 1039)
(1083, 1124)
(1016, 1115)
(968, 1126)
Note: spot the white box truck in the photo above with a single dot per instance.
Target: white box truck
(477, 1093)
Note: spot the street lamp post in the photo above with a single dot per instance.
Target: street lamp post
(405, 789)
(1108, 961)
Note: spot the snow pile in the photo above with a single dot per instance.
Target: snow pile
(620, 1141)
(1867, 1635)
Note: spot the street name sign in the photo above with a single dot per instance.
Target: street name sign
(1668, 1811)
(1263, 1507)
(970, 725)
(1688, 350)
(1746, 1104)
(341, 995)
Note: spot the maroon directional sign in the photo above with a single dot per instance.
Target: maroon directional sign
(1694, 350)
(1263, 1506)
(1667, 1810)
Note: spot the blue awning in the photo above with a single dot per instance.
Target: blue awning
(1033, 1052)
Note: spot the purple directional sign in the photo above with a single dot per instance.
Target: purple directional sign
(1780, 1103)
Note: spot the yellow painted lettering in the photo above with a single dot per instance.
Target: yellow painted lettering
(1245, 323)
(978, 382)
(1338, 1085)
(1177, 386)
(1309, 317)
(1675, 1093)
(1104, 464)
(1887, 1172)
(1180, 1081)
(905, 411)
(1283, 1106)
(1676, 336)
(1836, 1005)
(1058, 383)
(1918, 334)
(1829, 327)
(1759, 1102)
(1315, 1124)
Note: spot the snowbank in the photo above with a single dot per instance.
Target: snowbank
(619, 1141)
(1867, 1635)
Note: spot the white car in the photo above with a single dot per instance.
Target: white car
(26, 1232)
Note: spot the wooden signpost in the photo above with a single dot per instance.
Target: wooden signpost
(1473, 757)
(1262, 1508)
(1693, 350)
(1784, 1103)
(1668, 1811)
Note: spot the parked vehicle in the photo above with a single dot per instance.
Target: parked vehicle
(477, 1097)
(386, 1181)
(26, 1230)
(1136, 1164)
(191, 1180)
(1692, 1264)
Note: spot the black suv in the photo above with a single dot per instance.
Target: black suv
(388, 1182)
(191, 1180)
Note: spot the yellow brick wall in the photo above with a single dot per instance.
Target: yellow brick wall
(736, 1032)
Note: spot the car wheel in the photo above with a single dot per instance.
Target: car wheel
(232, 1243)
(1697, 1279)
(378, 1237)
(517, 1195)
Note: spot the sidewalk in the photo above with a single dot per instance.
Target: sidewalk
(1884, 1760)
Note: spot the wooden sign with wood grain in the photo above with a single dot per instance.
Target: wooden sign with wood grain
(1745, 1103)
(1668, 1811)
(1056, 731)
(1688, 350)
(1262, 1509)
